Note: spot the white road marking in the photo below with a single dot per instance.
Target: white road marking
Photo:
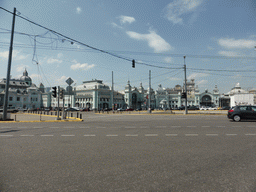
(161, 126)
(6, 135)
(69, 127)
(144, 127)
(100, 127)
(111, 135)
(250, 134)
(231, 134)
(212, 134)
(221, 126)
(46, 135)
(205, 126)
(130, 135)
(92, 135)
(6, 127)
(26, 135)
(38, 127)
(191, 126)
(150, 135)
(191, 134)
(171, 135)
(130, 127)
(84, 127)
(67, 135)
(175, 126)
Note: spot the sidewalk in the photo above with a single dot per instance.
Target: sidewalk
(28, 117)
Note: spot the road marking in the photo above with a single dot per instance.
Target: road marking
(236, 126)
(144, 127)
(6, 135)
(130, 127)
(171, 135)
(191, 134)
(54, 127)
(160, 126)
(26, 135)
(69, 127)
(250, 134)
(111, 135)
(175, 126)
(151, 135)
(212, 134)
(6, 127)
(38, 127)
(67, 135)
(84, 127)
(231, 134)
(92, 135)
(100, 127)
(130, 135)
(205, 126)
(46, 135)
(251, 126)
(221, 126)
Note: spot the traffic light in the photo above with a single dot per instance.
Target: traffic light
(61, 93)
(183, 95)
(54, 92)
(133, 63)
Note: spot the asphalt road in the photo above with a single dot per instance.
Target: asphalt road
(129, 153)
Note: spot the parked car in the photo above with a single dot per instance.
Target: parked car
(212, 108)
(181, 108)
(138, 109)
(130, 109)
(85, 109)
(225, 108)
(107, 109)
(242, 112)
(120, 109)
(193, 108)
(71, 109)
(204, 108)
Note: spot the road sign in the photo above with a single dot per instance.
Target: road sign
(69, 81)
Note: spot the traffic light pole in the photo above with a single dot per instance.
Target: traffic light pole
(58, 112)
(186, 108)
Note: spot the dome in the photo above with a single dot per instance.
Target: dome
(26, 78)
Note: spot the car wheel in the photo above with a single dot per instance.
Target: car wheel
(236, 118)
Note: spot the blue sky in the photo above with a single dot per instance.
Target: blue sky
(216, 37)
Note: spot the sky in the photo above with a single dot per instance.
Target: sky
(96, 37)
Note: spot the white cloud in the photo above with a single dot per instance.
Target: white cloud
(154, 41)
(239, 43)
(197, 75)
(175, 79)
(15, 55)
(168, 59)
(78, 10)
(126, 19)
(60, 55)
(61, 80)
(202, 82)
(229, 53)
(177, 8)
(51, 60)
(116, 26)
(84, 66)
(21, 68)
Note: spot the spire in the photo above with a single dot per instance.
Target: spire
(25, 73)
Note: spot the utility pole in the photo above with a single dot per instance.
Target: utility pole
(58, 112)
(112, 94)
(149, 95)
(186, 108)
(9, 69)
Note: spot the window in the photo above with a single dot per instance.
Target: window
(18, 98)
(243, 108)
(10, 98)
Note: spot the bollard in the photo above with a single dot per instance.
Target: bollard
(15, 118)
(71, 115)
(81, 116)
(40, 117)
(77, 115)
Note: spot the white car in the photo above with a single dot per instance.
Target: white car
(204, 108)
